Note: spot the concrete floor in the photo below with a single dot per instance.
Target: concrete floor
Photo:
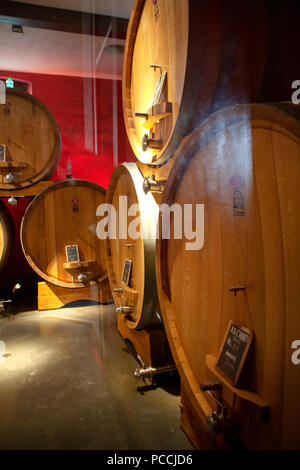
(66, 382)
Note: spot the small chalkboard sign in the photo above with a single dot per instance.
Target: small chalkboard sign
(234, 350)
(2, 153)
(126, 271)
(72, 253)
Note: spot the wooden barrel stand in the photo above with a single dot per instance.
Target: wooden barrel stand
(150, 343)
(51, 297)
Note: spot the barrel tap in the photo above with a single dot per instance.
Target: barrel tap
(150, 184)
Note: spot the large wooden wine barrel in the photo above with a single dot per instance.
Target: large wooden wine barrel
(243, 165)
(32, 140)
(135, 295)
(6, 234)
(64, 215)
(214, 54)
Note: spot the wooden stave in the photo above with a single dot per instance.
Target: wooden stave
(199, 102)
(7, 234)
(30, 210)
(149, 303)
(201, 407)
(187, 105)
(54, 158)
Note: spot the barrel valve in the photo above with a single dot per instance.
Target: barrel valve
(12, 201)
(148, 372)
(9, 178)
(219, 421)
(81, 277)
(123, 309)
(150, 143)
(214, 424)
(150, 184)
(3, 305)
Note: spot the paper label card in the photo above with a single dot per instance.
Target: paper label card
(158, 89)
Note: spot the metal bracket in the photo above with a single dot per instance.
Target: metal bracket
(118, 290)
(155, 66)
(216, 422)
(150, 143)
(211, 386)
(141, 115)
(236, 289)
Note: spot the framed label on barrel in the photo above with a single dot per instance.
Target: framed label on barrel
(126, 271)
(72, 253)
(2, 153)
(234, 350)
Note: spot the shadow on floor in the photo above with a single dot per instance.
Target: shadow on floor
(67, 383)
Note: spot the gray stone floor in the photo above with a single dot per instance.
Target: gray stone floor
(66, 382)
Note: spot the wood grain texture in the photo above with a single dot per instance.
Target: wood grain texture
(64, 214)
(127, 182)
(33, 190)
(6, 234)
(31, 135)
(51, 297)
(150, 343)
(191, 424)
(255, 150)
(215, 54)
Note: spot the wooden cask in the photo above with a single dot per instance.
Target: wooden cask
(32, 140)
(135, 295)
(186, 59)
(17, 269)
(64, 215)
(243, 165)
(6, 234)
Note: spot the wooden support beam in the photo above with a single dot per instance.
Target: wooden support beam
(35, 16)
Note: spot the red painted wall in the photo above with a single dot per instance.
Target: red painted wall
(64, 97)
